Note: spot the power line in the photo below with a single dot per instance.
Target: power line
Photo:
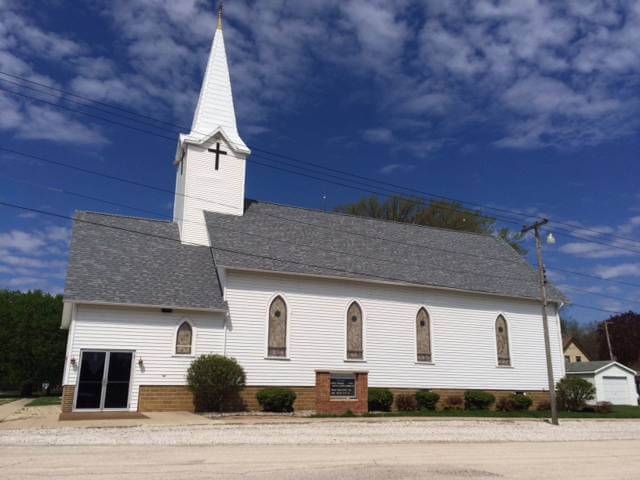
(614, 312)
(595, 277)
(162, 237)
(417, 202)
(288, 219)
(294, 159)
(604, 295)
(314, 247)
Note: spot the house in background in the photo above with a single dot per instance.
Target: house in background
(614, 382)
(574, 352)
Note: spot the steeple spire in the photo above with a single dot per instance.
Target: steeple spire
(220, 12)
(215, 109)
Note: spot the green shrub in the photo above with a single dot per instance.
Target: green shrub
(574, 392)
(406, 403)
(427, 400)
(454, 403)
(276, 399)
(380, 399)
(348, 413)
(478, 400)
(513, 402)
(505, 404)
(216, 382)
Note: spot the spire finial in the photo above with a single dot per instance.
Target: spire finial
(220, 12)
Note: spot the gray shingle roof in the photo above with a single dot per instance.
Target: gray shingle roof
(289, 239)
(109, 264)
(587, 367)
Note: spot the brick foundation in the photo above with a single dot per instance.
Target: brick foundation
(178, 398)
(326, 405)
(162, 398)
(67, 398)
(305, 398)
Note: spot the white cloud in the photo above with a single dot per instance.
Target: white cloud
(396, 167)
(378, 135)
(621, 270)
(21, 241)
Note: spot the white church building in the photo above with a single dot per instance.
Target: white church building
(300, 298)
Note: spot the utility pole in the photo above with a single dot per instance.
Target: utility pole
(606, 332)
(545, 324)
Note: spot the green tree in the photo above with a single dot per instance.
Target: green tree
(33, 345)
(624, 332)
(437, 213)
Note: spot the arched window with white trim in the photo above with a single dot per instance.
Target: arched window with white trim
(502, 342)
(355, 350)
(277, 332)
(423, 336)
(184, 339)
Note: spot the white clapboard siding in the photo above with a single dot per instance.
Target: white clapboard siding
(147, 332)
(209, 189)
(464, 348)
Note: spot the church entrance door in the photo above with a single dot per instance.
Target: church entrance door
(104, 380)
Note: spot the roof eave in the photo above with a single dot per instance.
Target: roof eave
(145, 305)
(383, 282)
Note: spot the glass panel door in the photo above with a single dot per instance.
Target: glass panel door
(90, 381)
(117, 392)
(104, 380)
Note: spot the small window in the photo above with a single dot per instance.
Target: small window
(423, 336)
(184, 339)
(567, 358)
(354, 332)
(578, 358)
(277, 328)
(502, 342)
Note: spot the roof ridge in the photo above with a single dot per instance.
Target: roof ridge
(133, 217)
(450, 230)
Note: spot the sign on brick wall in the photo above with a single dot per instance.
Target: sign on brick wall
(343, 386)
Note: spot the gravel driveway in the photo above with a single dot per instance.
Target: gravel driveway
(326, 432)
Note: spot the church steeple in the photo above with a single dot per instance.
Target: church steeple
(215, 104)
(211, 159)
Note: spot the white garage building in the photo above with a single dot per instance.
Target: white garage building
(614, 382)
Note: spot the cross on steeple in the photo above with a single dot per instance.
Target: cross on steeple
(218, 152)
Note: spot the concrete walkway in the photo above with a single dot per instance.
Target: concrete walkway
(12, 407)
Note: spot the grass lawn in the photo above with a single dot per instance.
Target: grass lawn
(618, 412)
(7, 400)
(44, 401)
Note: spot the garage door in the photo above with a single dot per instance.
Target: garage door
(616, 390)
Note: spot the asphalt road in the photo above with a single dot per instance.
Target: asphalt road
(549, 460)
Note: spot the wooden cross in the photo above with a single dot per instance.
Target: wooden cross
(218, 152)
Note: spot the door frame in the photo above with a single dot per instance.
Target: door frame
(105, 374)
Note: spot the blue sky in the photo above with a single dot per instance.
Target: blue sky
(524, 105)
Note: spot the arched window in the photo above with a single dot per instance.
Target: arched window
(423, 336)
(277, 328)
(502, 341)
(354, 332)
(184, 339)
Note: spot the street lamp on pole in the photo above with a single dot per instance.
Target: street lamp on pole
(543, 299)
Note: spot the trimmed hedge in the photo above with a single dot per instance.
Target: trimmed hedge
(427, 400)
(514, 402)
(406, 402)
(380, 399)
(276, 399)
(216, 382)
(478, 400)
